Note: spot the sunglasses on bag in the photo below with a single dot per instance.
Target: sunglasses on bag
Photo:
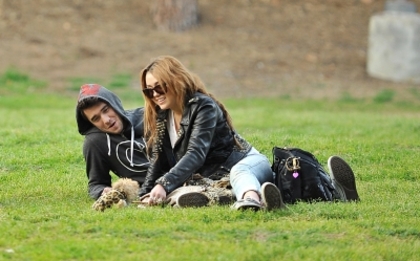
(149, 91)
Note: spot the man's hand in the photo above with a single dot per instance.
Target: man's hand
(157, 195)
(106, 190)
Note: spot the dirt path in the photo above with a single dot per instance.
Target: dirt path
(312, 48)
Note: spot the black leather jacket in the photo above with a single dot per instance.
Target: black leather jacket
(206, 145)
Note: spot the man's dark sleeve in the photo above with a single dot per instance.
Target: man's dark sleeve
(97, 163)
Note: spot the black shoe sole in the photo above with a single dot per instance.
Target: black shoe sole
(192, 199)
(271, 196)
(343, 176)
(225, 200)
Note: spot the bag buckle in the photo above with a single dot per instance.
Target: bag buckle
(293, 164)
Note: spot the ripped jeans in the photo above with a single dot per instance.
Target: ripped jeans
(250, 173)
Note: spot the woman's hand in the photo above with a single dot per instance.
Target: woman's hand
(157, 195)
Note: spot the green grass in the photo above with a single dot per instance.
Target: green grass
(117, 81)
(45, 212)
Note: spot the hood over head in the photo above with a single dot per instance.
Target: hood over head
(96, 90)
(132, 119)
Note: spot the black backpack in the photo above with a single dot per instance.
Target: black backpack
(300, 177)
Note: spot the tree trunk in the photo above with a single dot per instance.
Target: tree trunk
(174, 15)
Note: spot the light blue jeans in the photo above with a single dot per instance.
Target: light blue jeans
(250, 173)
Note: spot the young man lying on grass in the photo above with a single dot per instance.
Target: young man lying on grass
(113, 139)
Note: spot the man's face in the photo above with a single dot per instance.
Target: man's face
(104, 118)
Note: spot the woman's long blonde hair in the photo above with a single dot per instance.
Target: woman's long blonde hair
(174, 77)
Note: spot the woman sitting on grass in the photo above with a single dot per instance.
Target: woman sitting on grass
(189, 131)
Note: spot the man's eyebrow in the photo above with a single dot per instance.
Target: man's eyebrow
(95, 117)
(104, 107)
